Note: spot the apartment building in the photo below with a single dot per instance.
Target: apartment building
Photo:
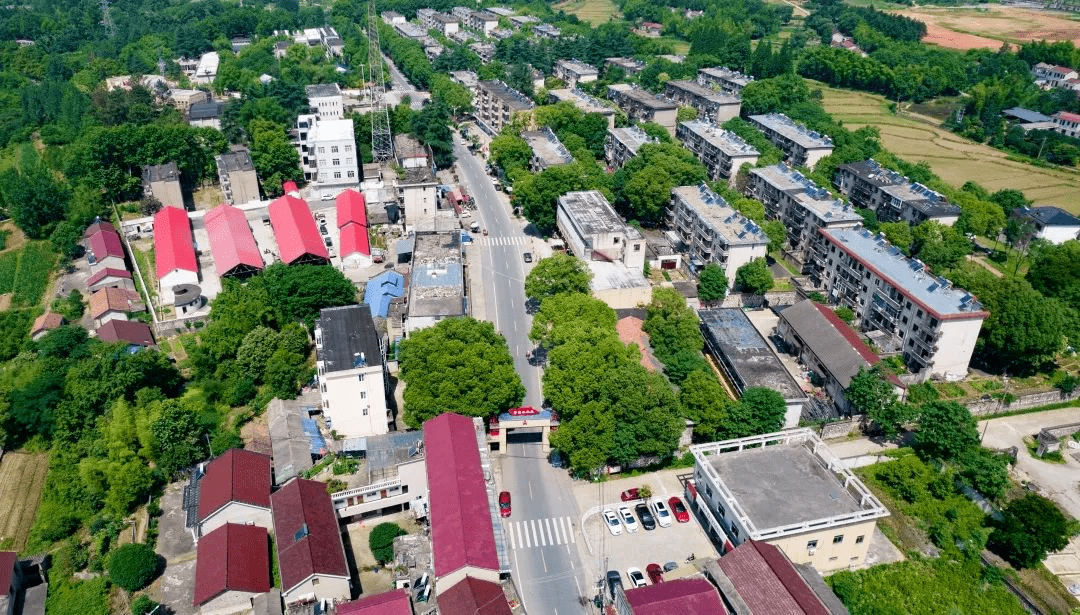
(642, 105)
(328, 154)
(713, 231)
(803, 207)
(486, 51)
(1066, 123)
(162, 181)
(1051, 76)
(325, 101)
(352, 371)
(723, 79)
(547, 31)
(630, 66)
(717, 107)
(496, 104)
(721, 151)
(802, 147)
(622, 144)
(581, 100)
(393, 478)
(891, 196)
(443, 22)
(573, 72)
(237, 176)
(548, 151)
(934, 323)
(521, 21)
(482, 21)
(1053, 224)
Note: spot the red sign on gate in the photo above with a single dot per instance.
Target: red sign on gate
(523, 411)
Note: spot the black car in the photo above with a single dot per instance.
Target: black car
(528, 257)
(614, 579)
(646, 516)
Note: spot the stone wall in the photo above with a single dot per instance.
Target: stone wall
(169, 328)
(989, 406)
(841, 428)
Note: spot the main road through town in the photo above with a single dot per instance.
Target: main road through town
(542, 533)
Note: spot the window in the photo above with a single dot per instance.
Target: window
(734, 532)
(839, 538)
(348, 161)
(337, 174)
(322, 150)
(859, 539)
(637, 247)
(811, 544)
(333, 149)
(363, 394)
(365, 411)
(352, 173)
(322, 162)
(326, 403)
(336, 162)
(360, 377)
(315, 581)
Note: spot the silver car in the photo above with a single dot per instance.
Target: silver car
(613, 524)
(628, 519)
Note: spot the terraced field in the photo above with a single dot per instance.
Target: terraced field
(22, 477)
(593, 11)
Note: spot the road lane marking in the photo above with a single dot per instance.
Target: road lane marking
(526, 532)
(510, 535)
(547, 530)
(573, 536)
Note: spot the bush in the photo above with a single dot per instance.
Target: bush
(81, 598)
(133, 566)
(142, 605)
(381, 541)
(1031, 527)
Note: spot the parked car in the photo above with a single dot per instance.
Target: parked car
(661, 512)
(637, 579)
(646, 516)
(630, 494)
(558, 460)
(504, 504)
(329, 242)
(656, 575)
(614, 579)
(613, 524)
(628, 519)
(678, 509)
(528, 257)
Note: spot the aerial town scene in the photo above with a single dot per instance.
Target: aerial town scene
(561, 307)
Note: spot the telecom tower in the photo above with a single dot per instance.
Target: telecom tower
(106, 20)
(382, 142)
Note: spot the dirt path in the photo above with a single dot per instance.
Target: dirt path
(985, 265)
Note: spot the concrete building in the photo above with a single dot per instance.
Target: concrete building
(614, 251)
(547, 31)
(48, 321)
(206, 70)
(104, 249)
(486, 51)
(547, 150)
(829, 348)
(328, 154)
(325, 101)
(232, 566)
(789, 490)
(482, 21)
(723, 79)
(130, 332)
(431, 19)
(713, 231)
(573, 72)
(410, 152)
(747, 360)
(233, 488)
(496, 104)
(162, 181)
(107, 277)
(622, 144)
(891, 196)
(184, 99)
(395, 479)
(522, 21)
(934, 324)
(1050, 223)
(722, 152)
(581, 100)
(310, 553)
(237, 177)
(418, 194)
(802, 206)
(206, 114)
(466, 78)
(1049, 76)
(392, 18)
(437, 288)
(414, 32)
(353, 379)
(1066, 123)
(801, 146)
(630, 66)
(641, 105)
(717, 107)
(113, 304)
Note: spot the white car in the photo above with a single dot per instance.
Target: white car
(637, 579)
(661, 512)
(628, 519)
(612, 522)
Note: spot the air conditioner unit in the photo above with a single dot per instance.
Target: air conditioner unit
(810, 551)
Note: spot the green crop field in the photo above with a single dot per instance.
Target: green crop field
(33, 273)
(8, 262)
(593, 11)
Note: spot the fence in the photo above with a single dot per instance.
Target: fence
(168, 328)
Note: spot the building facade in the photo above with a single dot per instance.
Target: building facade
(496, 105)
(891, 196)
(640, 104)
(547, 150)
(581, 100)
(713, 231)
(622, 144)
(162, 181)
(1050, 223)
(717, 107)
(352, 371)
(721, 151)
(723, 79)
(325, 101)
(801, 146)
(237, 177)
(328, 154)
(574, 72)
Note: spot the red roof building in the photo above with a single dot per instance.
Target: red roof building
(474, 597)
(351, 208)
(105, 247)
(98, 226)
(768, 583)
(130, 331)
(232, 243)
(8, 559)
(113, 303)
(45, 323)
(174, 248)
(394, 602)
(311, 556)
(235, 489)
(694, 596)
(297, 236)
(232, 558)
(110, 277)
(462, 534)
(355, 243)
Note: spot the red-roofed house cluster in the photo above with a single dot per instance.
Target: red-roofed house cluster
(112, 292)
(297, 235)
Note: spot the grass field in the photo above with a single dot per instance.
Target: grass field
(33, 274)
(22, 476)
(593, 11)
(954, 158)
(988, 26)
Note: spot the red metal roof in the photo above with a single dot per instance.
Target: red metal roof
(47, 322)
(1067, 116)
(856, 342)
(461, 528)
(131, 331)
(7, 568)
(682, 596)
(174, 246)
(351, 208)
(233, 557)
(307, 534)
(106, 272)
(295, 230)
(474, 597)
(354, 239)
(105, 243)
(236, 476)
(767, 581)
(394, 602)
(231, 241)
(98, 226)
(289, 187)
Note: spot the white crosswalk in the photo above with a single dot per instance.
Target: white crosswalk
(518, 240)
(540, 532)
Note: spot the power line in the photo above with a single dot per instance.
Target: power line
(382, 142)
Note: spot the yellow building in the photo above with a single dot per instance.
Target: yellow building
(789, 490)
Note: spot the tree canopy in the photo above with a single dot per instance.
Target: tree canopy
(754, 277)
(1031, 527)
(712, 283)
(559, 273)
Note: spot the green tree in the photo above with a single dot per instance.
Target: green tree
(1031, 527)
(1054, 273)
(759, 410)
(255, 351)
(133, 566)
(587, 438)
(754, 277)
(871, 393)
(34, 199)
(565, 316)
(1024, 329)
(381, 541)
(898, 234)
(559, 273)
(644, 183)
(986, 471)
(284, 370)
(460, 365)
(946, 430)
(511, 153)
(705, 403)
(939, 246)
(777, 233)
(538, 195)
(712, 283)
(180, 438)
(298, 292)
(275, 159)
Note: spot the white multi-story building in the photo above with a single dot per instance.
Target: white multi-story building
(581, 100)
(352, 371)
(891, 196)
(394, 476)
(574, 72)
(328, 154)
(642, 105)
(482, 21)
(802, 146)
(725, 79)
(548, 151)
(718, 107)
(1050, 76)
(1053, 224)
(722, 152)
(548, 31)
(496, 105)
(935, 324)
(630, 66)
(713, 231)
(325, 101)
(623, 144)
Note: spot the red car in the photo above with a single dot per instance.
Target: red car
(504, 504)
(630, 494)
(678, 509)
(656, 575)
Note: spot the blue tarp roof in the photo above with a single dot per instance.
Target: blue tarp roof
(381, 290)
(311, 428)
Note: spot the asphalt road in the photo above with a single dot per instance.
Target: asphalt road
(401, 86)
(542, 531)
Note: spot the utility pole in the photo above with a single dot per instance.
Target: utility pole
(106, 20)
(382, 142)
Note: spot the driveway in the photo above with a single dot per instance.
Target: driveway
(176, 585)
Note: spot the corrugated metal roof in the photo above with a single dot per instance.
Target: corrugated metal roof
(354, 240)
(351, 208)
(233, 557)
(295, 230)
(174, 245)
(231, 241)
(105, 243)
